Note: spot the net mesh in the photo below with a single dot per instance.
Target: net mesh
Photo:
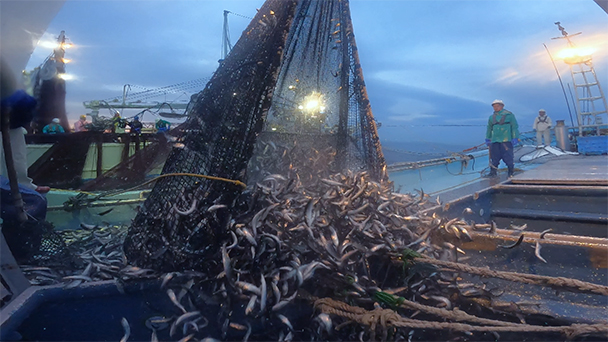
(302, 56)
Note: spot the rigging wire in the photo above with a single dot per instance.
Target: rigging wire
(560, 82)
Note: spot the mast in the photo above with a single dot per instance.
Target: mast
(49, 87)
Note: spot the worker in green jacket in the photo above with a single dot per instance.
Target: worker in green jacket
(501, 136)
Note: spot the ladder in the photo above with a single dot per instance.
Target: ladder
(591, 104)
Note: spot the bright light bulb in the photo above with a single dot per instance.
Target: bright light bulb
(576, 52)
(66, 60)
(66, 77)
(48, 44)
(312, 104)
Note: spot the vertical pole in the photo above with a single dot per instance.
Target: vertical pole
(126, 139)
(99, 156)
(10, 167)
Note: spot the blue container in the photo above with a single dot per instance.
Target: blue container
(593, 144)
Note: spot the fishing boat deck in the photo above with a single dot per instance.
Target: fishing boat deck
(572, 170)
(568, 170)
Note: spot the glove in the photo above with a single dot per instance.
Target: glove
(488, 142)
(514, 141)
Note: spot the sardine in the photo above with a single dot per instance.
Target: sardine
(186, 316)
(249, 287)
(127, 328)
(264, 293)
(189, 211)
(522, 227)
(251, 304)
(537, 252)
(544, 232)
(173, 298)
(517, 243)
(285, 321)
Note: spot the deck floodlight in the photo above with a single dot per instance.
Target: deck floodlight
(576, 55)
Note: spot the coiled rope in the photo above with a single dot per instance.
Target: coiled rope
(386, 318)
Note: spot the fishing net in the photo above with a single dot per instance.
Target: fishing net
(320, 104)
(319, 122)
(36, 242)
(223, 124)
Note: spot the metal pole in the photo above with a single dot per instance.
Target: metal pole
(10, 167)
(561, 83)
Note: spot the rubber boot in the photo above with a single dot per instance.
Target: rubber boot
(511, 172)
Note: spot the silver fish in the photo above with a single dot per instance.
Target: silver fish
(264, 292)
(517, 243)
(127, 328)
(544, 232)
(173, 298)
(251, 304)
(522, 227)
(537, 252)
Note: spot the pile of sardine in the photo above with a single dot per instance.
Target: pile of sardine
(96, 256)
(331, 236)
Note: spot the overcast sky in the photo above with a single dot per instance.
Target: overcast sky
(427, 64)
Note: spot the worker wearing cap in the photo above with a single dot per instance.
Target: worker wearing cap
(53, 128)
(81, 125)
(542, 126)
(136, 125)
(162, 125)
(501, 136)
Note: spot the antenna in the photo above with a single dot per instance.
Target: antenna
(565, 34)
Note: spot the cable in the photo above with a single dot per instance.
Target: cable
(110, 194)
(237, 182)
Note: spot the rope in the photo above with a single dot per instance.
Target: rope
(570, 284)
(387, 318)
(109, 194)
(236, 182)
(456, 315)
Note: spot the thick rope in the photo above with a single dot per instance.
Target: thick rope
(455, 315)
(387, 318)
(559, 283)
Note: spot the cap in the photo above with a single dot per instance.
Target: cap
(55, 120)
(541, 111)
(498, 102)
(136, 118)
(83, 116)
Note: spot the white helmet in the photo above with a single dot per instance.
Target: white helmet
(498, 102)
(55, 120)
(541, 111)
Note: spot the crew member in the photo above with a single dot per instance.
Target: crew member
(118, 124)
(542, 126)
(21, 107)
(162, 125)
(81, 124)
(502, 135)
(136, 125)
(53, 128)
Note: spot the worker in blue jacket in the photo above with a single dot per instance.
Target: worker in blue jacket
(502, 135)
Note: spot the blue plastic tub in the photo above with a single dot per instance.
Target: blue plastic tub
(593, 144)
